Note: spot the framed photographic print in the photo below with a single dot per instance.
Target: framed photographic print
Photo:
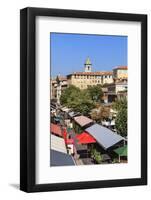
(83, 99)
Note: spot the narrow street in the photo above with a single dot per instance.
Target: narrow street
(73, 136)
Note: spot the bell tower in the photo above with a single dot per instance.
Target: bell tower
(88, 65)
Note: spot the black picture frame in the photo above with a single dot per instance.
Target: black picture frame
(28, 99)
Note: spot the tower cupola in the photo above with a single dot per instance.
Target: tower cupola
(88, 65)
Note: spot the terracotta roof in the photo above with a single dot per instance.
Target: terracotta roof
(93, 73)
(121, 67)
(62, 78)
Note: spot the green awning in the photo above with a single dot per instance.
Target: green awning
(121, 151)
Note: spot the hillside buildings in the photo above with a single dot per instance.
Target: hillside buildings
(114, 83)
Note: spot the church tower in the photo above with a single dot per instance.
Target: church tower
(88, 65)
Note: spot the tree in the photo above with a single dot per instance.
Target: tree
(119, 104)
(121, 118)
(121, 122)
(68, 94)
(102, 113)
(96, 155)
(95, 92)
(78, 100)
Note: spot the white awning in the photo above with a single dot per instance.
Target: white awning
(58, 144)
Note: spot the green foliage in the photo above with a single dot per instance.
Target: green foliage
(121, 122)
(68, 94)
(121, 118)
(95, 92)
(115, 160)
(96, 155)
(78, 100)
(120, 104)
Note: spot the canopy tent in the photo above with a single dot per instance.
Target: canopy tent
(82, 120)
(121, 151)
(65, 109)
(60, 159)
(54, 128)
(104, 136)
(85, 138)
(58, 144)
(73, 114)
(57, 119)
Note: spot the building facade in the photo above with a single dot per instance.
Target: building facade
(117, 90)
(114, 83)
(57, 86)
(120, 72)
(88, 78)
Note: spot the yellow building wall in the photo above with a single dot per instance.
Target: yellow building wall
(122, 74)
(82, 82)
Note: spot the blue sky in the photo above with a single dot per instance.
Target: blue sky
(68, 52)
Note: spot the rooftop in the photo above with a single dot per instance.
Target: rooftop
(104, 136)
(120, 67)
(58, 144)
(61, 78)
(92, 73)
(60, 159)
(82, 120)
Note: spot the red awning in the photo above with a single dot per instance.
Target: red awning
(85, 138)
(69, 141)
(54, 128)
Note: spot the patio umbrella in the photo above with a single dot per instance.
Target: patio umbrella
(121, 151)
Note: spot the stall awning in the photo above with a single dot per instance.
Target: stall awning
(54, 128)
(121, 151)
(58, 144)
(73, 114)
(60, 159)
(82, 120)
(65, 109)
(104, 136)
(85, 138)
